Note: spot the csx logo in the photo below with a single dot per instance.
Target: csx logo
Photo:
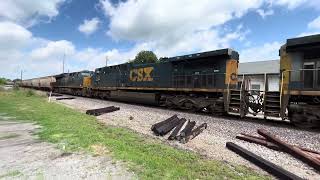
(141, 74)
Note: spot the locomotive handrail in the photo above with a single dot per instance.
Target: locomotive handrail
(241, 86)
(180, 80)
(228, 92)
(281, 88)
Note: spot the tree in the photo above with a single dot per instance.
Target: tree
(145, 57)
(2, 81)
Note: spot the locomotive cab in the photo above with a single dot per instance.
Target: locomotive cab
(300, 84)
(76, 83)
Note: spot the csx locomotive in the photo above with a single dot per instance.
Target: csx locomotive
(208, 82)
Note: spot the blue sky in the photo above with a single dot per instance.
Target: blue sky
(35, 34)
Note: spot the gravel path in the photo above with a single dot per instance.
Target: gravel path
(211, 142)
(23, 156)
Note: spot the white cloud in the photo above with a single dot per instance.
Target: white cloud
(12, 36)
(53, 50)
(148, 20)
(20, 50)
(292, 4)
(93, 58)
(315, 24)
(264, 13)
(170, 27)
(29, 12)
(313, 28)
(268, 51)
(167, 27)
(89, 26)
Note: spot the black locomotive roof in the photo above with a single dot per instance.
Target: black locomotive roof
(64, 74)
(303, 43)
(228, 53)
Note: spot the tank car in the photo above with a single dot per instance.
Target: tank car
(42, 83)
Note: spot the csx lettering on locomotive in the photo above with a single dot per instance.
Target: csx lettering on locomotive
(141, 74)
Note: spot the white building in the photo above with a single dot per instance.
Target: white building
(256, 74)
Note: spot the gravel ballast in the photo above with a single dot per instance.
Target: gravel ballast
(211, 143)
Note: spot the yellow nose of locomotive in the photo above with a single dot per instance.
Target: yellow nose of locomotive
(86, 82)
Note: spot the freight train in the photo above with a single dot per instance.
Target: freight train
(207, 81)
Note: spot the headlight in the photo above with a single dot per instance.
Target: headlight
(233, 76)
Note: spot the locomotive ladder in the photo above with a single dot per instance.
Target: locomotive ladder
(236, 103)
(272, 105)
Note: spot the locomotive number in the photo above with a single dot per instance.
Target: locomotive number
(141, 74)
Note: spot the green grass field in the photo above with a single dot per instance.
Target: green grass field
(148, 158)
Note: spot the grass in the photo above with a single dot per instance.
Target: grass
(148, 158)
(2, 81)
(11, 174)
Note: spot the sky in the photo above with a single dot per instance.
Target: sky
(36, 35)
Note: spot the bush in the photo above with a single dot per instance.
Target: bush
(16, 88)
(2, 81)
(30, 93)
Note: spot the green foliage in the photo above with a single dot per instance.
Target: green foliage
(11, 174)
(16, 88)
(30, 93)
(145, 57)
(3, 81)
(147, 157)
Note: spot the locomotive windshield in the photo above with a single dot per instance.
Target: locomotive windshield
(86, 74)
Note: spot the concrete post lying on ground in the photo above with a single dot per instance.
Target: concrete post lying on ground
(187, 130)
(194, 133)
(294, 151)
(100, 111)
(268, 166)
(175, 132)
(162, 128)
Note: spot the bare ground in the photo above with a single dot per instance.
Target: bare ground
(24, 156)
(212, 142)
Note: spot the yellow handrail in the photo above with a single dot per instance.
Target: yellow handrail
(281, 87)
(241, 87)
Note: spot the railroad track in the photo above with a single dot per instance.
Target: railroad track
(231, 117)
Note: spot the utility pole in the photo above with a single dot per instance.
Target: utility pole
(107, 59)
(64, 55)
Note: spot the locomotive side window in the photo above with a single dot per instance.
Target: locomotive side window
(308, 75)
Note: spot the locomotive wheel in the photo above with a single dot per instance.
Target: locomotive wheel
(189, 105)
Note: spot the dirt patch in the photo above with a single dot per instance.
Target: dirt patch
(24, 156)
